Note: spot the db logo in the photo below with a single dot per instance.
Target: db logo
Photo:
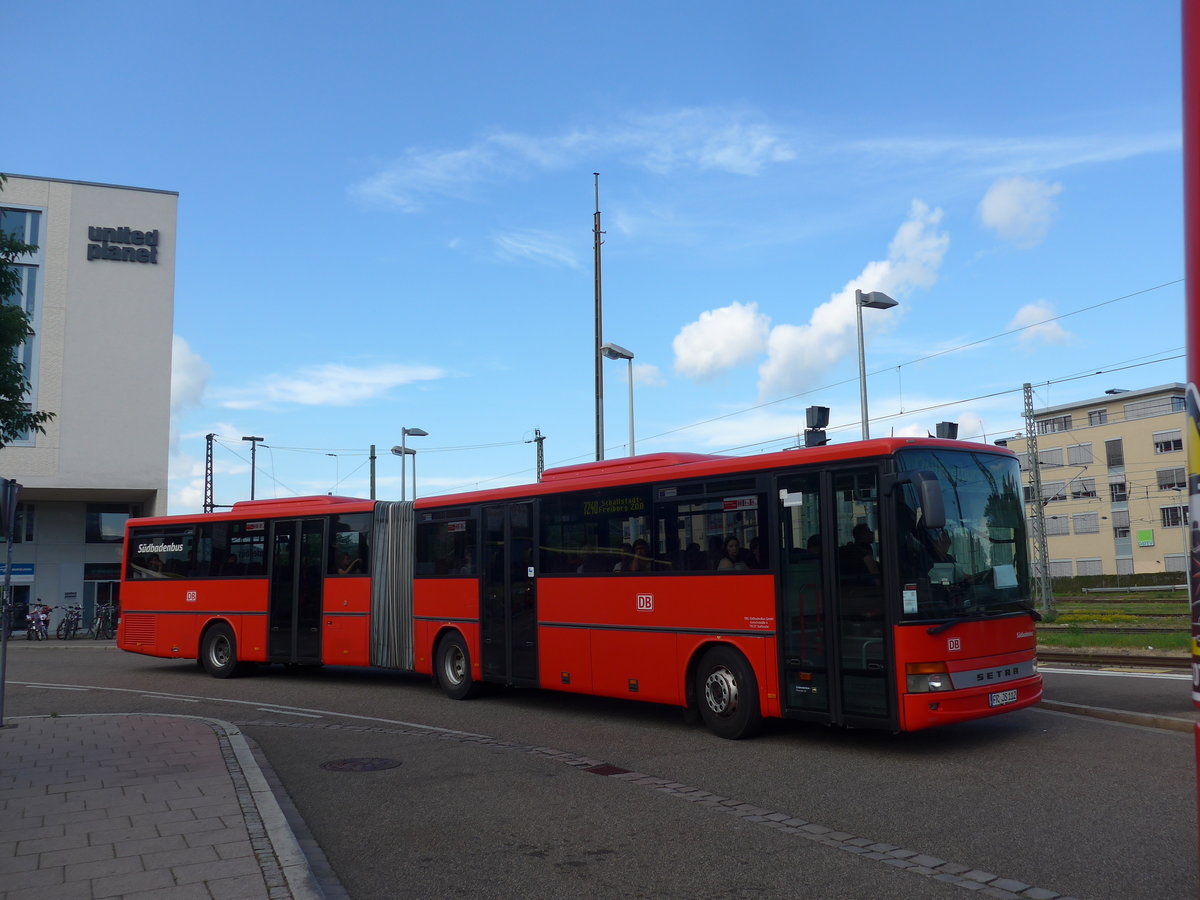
(953, 643)
(191, 596)
(645, 602)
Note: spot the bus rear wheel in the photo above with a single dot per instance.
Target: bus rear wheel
(218, 652)
(727, 694)
(454, 668)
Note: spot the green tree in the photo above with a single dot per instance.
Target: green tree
(16, 416)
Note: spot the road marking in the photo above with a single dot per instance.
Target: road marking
(169, 697)
(287, 712)
(1170, 676)
(256, 704)
(56, 687)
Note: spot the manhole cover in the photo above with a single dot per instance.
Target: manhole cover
(360, 764)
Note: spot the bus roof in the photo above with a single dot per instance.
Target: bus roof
(659, 466)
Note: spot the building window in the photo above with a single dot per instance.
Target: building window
(1056, 525)
(1087, 523)
(1124, 566)
(1050, 458)
(1060, 568)
(23, 526)
(1168, 441)
(1054, 490)
(1158, 406)
(1120, 519)
(1097, 417)
(1175, 563)
(1089, 566)
(1119, 532)
(1118, 492)
(1057, 423)
(25, 225)
(1083, 487)
(106, 521)
(1079, 454)
(1170, 479)
(1023, 461)
(1174, 516)
(1114, 452)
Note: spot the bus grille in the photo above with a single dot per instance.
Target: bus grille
(138, 629)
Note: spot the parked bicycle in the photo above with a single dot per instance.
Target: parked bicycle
(104, 624)
(37, 623)
(70, 623)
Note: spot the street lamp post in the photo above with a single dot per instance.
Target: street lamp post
(337, 471)
(403, 451)
(616, 351)
(254, 440)
(874, 300)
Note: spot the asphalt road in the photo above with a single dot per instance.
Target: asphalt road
(494, 798)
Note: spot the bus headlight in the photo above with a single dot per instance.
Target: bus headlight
(924, 678)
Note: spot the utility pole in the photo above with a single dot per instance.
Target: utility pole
(254, 441)
(596, 360)
(209, 505)
(372, 471)
(539, 438)
(1041, 555)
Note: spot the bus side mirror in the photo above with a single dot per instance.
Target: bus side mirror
(929, 491)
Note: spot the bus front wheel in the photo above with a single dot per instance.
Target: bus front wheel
(218, 652)
(454, 668)
(727, 694)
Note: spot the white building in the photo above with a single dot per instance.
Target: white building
(100, 293)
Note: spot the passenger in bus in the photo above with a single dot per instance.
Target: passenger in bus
(858, 557)
(694, 558)
(641, 559)
(625, 552)
(467, 566)
(232, 566)
(756, 558)
(348, 566)
(732, 560)
(155, 565)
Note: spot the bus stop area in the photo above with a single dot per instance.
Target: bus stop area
(167, 805)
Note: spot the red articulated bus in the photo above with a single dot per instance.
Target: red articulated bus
(879, 584)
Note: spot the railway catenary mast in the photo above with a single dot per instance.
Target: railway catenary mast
(1191, 190)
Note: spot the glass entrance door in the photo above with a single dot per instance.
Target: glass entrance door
(297, 585)
(833, 626)
(508, 602)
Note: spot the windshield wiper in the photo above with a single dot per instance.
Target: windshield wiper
(980, 617)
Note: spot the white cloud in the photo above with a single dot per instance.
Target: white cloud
(720, 339)
(189, 376)
(797, 355)
(647, 375)
(536, 246)
(329, 385)
(1020, 210)
(702, 138)
(1033, 319)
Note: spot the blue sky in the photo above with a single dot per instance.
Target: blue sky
(385, 217)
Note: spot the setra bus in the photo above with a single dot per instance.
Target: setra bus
(879, 584)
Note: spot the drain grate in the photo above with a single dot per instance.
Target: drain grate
(360, 764)
(606, 770)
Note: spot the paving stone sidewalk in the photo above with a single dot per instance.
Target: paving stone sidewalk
(137, 806)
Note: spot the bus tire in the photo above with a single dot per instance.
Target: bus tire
(727, 694)
(454, 668)
(218, 652)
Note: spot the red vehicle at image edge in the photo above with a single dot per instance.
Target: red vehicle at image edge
(877, 584)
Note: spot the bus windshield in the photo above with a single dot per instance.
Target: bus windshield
(977, 565)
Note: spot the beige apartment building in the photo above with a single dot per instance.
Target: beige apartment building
(1114, 482)
(100, 293)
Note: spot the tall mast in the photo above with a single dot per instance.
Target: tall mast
(596, 232)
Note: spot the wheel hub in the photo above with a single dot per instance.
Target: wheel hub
(721, 692)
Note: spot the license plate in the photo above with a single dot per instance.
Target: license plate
(1002, 698)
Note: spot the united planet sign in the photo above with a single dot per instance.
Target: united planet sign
(122, 244)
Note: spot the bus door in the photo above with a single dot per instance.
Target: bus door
(508, 601)
(834, 631)
(294, 610)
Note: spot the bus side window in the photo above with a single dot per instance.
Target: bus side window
(350, 544)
